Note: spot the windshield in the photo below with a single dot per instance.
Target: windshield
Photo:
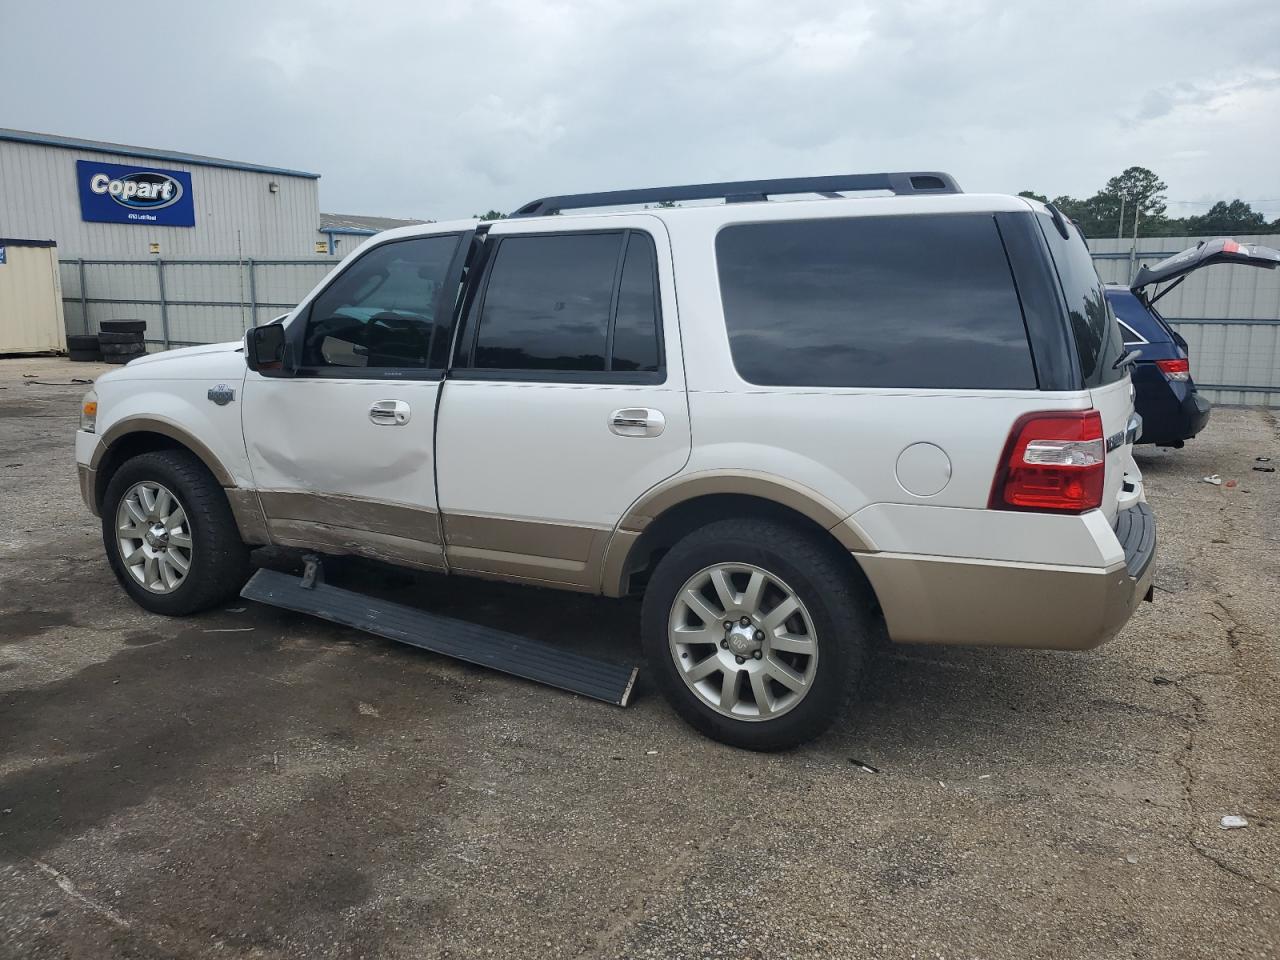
(1093, 325)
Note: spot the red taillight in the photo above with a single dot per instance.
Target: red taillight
(1053, 461)
(1175, 369)
(1230, 246)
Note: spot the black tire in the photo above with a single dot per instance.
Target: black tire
(124, 349)
(107, 338)
(219, 559)
(84, 356)
(838, 601)
(123, 326)
(78, 341)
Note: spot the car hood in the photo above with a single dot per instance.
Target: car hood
(184, 353)
(1220, 250)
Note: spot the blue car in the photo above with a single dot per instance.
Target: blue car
(1165, 395)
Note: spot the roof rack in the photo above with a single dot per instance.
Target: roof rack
(746, 191)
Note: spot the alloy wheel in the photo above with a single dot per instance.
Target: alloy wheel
(154, 537)
(743, 641)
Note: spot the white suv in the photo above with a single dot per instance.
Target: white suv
(779, 422)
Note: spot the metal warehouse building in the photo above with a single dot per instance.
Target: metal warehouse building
(199, 247)
(60, 189)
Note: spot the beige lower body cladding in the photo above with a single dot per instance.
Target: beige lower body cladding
(993, 603)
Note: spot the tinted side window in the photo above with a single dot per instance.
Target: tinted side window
(635, 335)
(1097, 335)
(904, 301)
(569, 306)
(380, 312)
(546, 305)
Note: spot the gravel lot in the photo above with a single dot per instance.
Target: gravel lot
(255, 784)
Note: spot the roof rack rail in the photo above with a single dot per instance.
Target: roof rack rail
(745, 191)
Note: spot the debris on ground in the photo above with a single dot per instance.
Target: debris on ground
(1214, 479)
(864, 766)
(1160, 681)
(1262, 459)
(1233, 822)
(1265, 469)
(1229, 484)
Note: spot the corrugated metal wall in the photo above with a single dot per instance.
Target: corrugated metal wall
(186, 301)
(1230, 317)
(236, 214)
(30, 300)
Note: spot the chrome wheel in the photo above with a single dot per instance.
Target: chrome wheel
(154, 537)
(743, 641)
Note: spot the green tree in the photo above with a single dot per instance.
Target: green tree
(1135, 192)
(1227, 218)
(491, 215)
(1142, 194)
(1032, 195)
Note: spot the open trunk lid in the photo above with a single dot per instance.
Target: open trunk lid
(1204, 253)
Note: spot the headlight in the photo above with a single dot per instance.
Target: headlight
(89, 411)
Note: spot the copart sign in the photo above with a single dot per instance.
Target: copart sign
(112, 193)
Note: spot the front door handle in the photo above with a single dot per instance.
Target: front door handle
(637, 422)
(389, 413)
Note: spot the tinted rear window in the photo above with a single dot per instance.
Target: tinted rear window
(1097, 335)
(907, 301)
(1134, 315)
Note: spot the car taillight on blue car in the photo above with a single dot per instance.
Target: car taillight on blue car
(1179, 369)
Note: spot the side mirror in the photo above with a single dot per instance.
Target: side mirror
(266, 350)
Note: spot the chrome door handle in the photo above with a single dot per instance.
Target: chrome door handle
(389, 413)
(637, 422)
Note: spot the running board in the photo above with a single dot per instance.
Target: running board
(486, 647)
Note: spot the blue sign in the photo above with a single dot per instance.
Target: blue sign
(112, 193)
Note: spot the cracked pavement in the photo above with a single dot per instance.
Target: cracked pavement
(253, 784)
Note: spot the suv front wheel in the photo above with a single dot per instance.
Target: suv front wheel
(169, 534)
(755, 632)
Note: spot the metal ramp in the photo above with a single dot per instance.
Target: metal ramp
(483, 646)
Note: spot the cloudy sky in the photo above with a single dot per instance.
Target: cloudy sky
(440, 108)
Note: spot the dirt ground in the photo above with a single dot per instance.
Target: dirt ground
(254, 784)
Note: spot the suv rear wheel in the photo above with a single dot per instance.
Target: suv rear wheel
(170, 536)
(755, 632)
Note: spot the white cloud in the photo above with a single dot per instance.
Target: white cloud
(450, 107)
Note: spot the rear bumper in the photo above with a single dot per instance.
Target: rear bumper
(1000, 603)
(1196, 409)
(1171, 411)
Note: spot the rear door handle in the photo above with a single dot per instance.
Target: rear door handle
(637, 422)
(389, 413)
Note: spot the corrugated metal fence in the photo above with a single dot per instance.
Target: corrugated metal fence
(1230, 316)
(185, 302)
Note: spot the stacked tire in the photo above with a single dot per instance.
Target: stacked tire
(84, 349)
(118, 341)
(122, 340)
